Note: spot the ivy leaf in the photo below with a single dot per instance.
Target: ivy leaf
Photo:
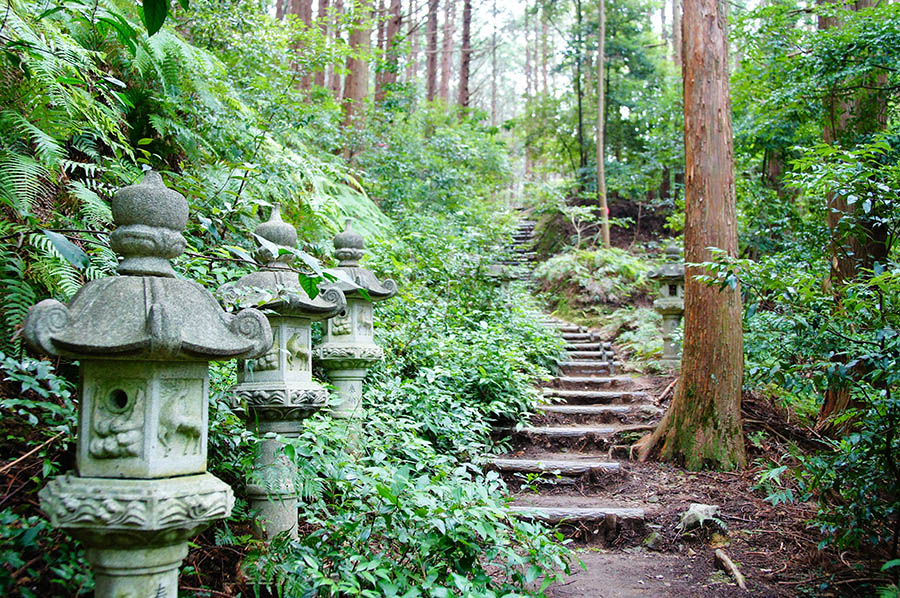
(69, 250)
(154, 14)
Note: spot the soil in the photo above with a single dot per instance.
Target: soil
(774, 546)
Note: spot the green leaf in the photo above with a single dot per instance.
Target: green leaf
(70, 251)
(154, 14)
(310, 284)
(185, 4)
(890, 564)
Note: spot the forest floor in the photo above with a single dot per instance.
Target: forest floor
(773, 546)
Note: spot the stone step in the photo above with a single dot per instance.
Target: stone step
(587, 355)
(578, 336)
(586, 367)
(587, 382)
(564, 514)
(592, 346)
(587, 397)
(596, 414)
(566, 327)
(561, 438)
(565, 467)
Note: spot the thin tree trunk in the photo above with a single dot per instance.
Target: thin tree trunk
(356, 86)
(494, 65)
(279, 9)
(392, 58)
(703, 425)
(324, 16)
(528, 57)
(676, 32)
(303, 10)
(447, 49)
(466, 54)
(601, 129)
(851, 255)
(380, 50)
(412, 67)
(431, 51)
(337, 13)
(545, 52)
(579, 94)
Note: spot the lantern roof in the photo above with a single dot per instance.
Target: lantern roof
(349, 248)
(146, 312)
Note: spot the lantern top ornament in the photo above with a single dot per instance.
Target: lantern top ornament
(349, 248)
(275, 285)
(146, 313)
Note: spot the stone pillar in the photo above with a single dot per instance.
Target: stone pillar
(670, 304)
(143, 340)
(276, 392)
(349, 348)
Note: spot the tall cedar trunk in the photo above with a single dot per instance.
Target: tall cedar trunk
(303, 10)
(579, 94)
(392, 58)
(337, 11)
(380, 49)
(279, 9)
(676, 32)
(527, 53)
(865, 112)
(431, 50)
(494, 65)
(601, 129)
(545, 51)
(447, 49)
(356, 85)
(412, 32)
(703, 425)
(324, 15)
(465, 58)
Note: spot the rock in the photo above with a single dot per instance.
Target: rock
(653, 541)
(696, 514)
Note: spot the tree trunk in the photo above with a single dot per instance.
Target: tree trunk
(676, 32)
(324, 15)
(412, 32)
(303, 10)
(703, 425)
(851, 255)
(380, 50)
(337, 12)
(356, 85)
(279, 9)
(447, 49)
(431, 51)
(465, 58)
(545, 52)
(494, 65)
(527, 53)
(601, 132)
(579, 94)
(392, 58)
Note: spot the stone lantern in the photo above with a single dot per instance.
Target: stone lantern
(349, 348)
(671, 304)
(143, 340)
(277, 391)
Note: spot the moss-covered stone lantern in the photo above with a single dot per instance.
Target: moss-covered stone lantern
(671, 303)
(143, 340)
(276, 392)
(349, 348)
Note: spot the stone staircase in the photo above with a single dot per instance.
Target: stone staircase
(565, 466)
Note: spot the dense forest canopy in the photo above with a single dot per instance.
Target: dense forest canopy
(425, 122)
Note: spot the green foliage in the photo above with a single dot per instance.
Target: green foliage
(601, 276)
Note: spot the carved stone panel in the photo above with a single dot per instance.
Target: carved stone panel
(341, 324)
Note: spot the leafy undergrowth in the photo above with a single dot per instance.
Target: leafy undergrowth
(607, 289)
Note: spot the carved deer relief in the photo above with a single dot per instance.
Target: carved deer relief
(179, 419)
